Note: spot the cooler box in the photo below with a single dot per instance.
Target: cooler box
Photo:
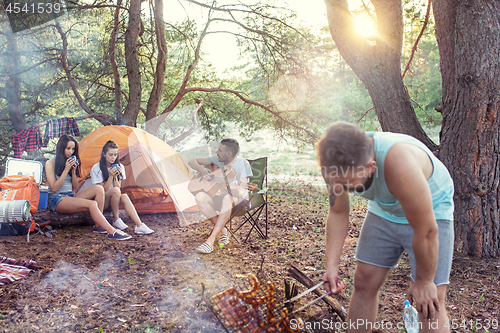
(15, 166)
(44, 197)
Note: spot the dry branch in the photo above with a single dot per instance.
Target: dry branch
(64, 62)
(414, 49)
(194, 126)
(262, 106)
(298, 275)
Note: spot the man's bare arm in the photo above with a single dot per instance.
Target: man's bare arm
(337, 226)
(201, 165)
(406, 180)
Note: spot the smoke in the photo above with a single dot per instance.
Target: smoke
(76, 297)
(78, 288)
(185, 302)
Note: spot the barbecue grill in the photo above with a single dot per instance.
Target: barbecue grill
(253, 307)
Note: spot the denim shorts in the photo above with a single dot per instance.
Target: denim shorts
(382, 242)
(55, 198)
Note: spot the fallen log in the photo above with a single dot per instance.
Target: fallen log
(298, 275)
(62, 220)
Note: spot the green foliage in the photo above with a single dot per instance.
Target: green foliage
(423, 80)
(294, 70)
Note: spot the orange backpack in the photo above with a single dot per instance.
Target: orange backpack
(20, 187)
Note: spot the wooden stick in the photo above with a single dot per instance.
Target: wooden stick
(298, 275)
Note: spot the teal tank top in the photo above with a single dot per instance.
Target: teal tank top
(385, 204)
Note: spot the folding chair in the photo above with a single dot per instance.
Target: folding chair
(257, 204)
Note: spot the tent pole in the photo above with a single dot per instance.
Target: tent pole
(185, 220)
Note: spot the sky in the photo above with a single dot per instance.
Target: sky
(221, 49)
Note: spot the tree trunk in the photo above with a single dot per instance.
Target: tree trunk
(468, 34)
(132, 63)
(76, 219)
(378, 66)
(159, 74)
(13, 85)
(114, 66)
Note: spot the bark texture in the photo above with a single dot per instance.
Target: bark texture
(159, 74)
(132, 62)
(76, 219)
(468, 34)
(114, 65)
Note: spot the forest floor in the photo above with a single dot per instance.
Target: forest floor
(158, 283)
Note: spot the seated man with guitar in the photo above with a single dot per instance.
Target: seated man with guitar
(218, 192)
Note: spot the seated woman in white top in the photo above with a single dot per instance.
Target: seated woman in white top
(109, 174)
(62, 176)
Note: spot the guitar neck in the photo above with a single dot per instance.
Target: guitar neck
(223, 180)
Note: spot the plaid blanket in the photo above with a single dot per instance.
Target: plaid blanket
(56, 128)
(12, 270)
(28, 139)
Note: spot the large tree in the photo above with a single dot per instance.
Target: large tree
(377, 63)
(468, 35)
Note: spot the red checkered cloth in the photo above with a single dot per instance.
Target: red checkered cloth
(12, 269)
(56, 128)
(28, 139)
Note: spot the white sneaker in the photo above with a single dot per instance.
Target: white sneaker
(119, 224)
(143, 229)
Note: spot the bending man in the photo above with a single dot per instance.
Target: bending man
(218, 208)
(410, 209)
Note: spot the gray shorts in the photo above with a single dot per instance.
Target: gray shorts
(382, 242)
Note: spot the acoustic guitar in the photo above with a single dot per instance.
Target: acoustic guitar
(220, 179)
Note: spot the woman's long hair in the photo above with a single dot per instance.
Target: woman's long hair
(61, 159)
(102, 163)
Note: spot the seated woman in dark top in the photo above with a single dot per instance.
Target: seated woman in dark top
(62, 177)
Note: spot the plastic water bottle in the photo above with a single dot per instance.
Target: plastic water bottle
(410, 318)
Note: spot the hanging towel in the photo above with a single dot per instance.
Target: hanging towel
(28, 139)
(56, 128)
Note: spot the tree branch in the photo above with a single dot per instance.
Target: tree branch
(251, 11)
(73, 5)
(104, 120)
(27, 69)
(424, 26)
(255, 103)
(182, 90)
(194, 126)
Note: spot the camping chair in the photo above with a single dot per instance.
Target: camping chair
(251, 213)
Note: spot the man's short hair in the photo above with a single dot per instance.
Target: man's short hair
(232, 145)
(343, 145)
